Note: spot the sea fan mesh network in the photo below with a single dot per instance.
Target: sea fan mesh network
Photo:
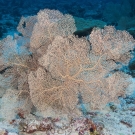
(67, 66)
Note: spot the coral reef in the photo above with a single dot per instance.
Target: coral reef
(55, 74)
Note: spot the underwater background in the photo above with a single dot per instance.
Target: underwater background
(119, 13)
(102, 22)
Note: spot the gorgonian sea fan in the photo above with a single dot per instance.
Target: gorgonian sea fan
(70, 67)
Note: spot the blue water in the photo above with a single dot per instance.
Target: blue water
(110, 11)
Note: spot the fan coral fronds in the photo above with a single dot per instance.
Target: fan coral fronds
(72, 69)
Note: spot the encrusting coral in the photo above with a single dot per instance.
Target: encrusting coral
(12, 102)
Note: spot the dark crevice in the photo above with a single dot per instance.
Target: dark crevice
(4, 70)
